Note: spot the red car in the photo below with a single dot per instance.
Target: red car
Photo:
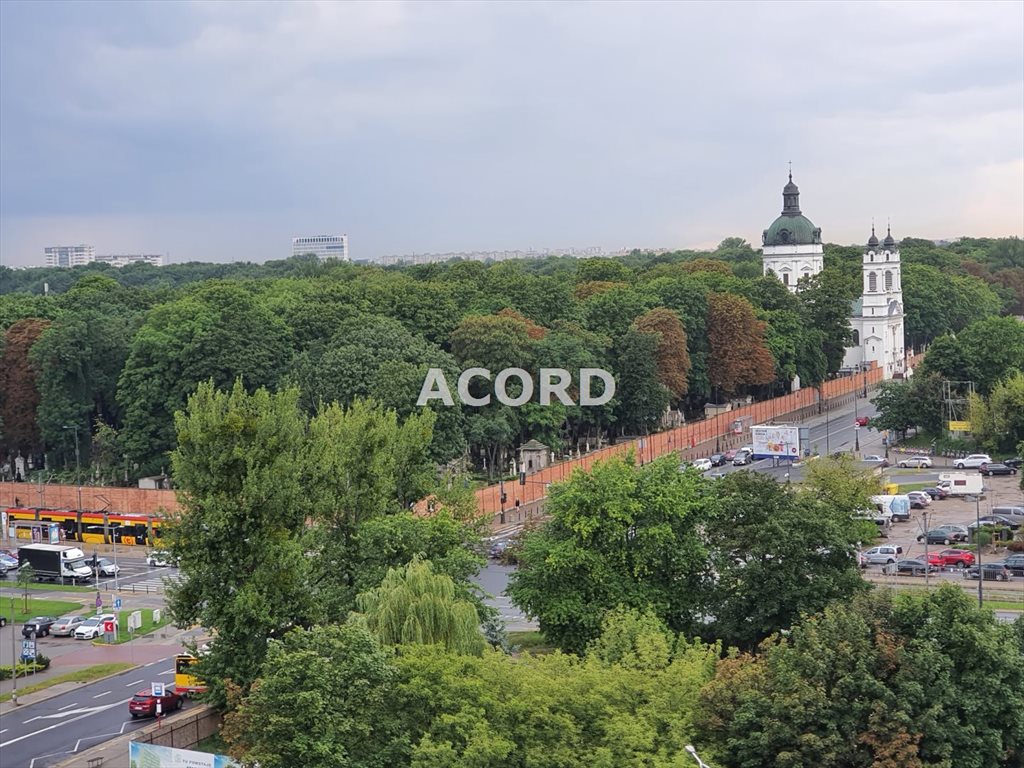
(143, 703)
(862, 421)
(957, 558)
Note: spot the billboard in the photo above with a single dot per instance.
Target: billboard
(776, 441)
(153, 756)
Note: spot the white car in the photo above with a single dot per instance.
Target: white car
(701, 465)
(160, 559)
(107, 568)
(883, 555)
(973, 461)
(919, 462)
(93, 626)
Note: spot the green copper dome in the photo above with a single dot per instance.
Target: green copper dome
(792, 227)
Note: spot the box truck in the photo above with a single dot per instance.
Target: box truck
(55, 562)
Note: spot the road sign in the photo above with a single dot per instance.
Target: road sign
(99, 601)
(28, 649)
(108, 626)
(158, 689)
(117, 603)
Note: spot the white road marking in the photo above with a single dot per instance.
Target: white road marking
(150, 664)
(105, 693)
(61, 725)
(167, 671)
(69, 706)
(135, 683)
(5, 730)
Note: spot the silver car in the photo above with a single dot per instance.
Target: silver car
(918, 462)
(65, 625)
(973, 461)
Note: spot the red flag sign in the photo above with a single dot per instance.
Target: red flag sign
(108, 626)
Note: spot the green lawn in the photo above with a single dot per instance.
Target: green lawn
(43, 587)
(86, 675)
(904, 487)
(123, 635)
(37, 607)
(532, 641)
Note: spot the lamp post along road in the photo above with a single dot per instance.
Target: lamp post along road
(78, 461)
(977, 544)
(14, 658)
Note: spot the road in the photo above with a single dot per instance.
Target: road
(493, 579)
(43, 734)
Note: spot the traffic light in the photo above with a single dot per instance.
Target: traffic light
(522, 478)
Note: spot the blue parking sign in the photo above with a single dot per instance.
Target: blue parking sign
(117, 603)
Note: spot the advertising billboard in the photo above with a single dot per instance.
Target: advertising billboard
(153, 756)
(776, 441)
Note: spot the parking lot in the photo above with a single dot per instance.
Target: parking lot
(1002, 491)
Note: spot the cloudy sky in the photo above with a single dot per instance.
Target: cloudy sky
(218, 131)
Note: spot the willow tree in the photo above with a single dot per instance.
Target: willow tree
(415, 606)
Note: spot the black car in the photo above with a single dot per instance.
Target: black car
(992, 571)
(717, 459)
(914, 567)
(1015, 462)
(1013, 522)
(938, 536)
(997, 469)
(936, 493)
(1016, 564)
(40, 625)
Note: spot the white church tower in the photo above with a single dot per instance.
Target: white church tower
(792, 244)
(877, 319)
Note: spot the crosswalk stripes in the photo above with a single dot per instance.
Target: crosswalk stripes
(154, 584)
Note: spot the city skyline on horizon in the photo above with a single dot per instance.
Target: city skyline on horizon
(422, 128)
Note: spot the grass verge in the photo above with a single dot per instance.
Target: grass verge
(43, 587)
(86, 675)
(37, 607)
(532, 641)
(123, 636)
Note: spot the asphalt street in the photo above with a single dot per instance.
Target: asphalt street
(44, 733)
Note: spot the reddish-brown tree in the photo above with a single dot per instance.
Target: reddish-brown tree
(585, 290)
(673, 356)
(19, 395)
(739, 355)
(706, 265)
(533, 330)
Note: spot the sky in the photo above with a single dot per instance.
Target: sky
(218, 131)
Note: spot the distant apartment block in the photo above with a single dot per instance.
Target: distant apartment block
(124, 259)
(323, 246)
(69, 255)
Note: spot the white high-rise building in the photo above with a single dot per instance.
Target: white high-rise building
(69, 255)
(324, 246)
(877, 320)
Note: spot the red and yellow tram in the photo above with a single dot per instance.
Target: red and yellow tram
(92, 527)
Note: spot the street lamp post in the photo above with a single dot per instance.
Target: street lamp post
(856, 437)
(977, 545)
(78, 462)
(14, 658)
(693, 753)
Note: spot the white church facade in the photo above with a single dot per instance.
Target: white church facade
(792, 249)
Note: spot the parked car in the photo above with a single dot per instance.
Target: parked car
(956, 558)
(730, 454)
(973, 461)
(937, 536)
(991, 571)
(702, 465)
(40, 625)
(717, 459)
(743, 456)
(996, 469)
(1009, 521)
(937, 493)
(862, 421)
(160, 558)
(93, 626)
(1015, 563)
(914, 567)
(1015, 462)
(874, 459)
(497, 549)
(143, 703)
(959, 532)
(919, 462)
(107, 568)
(65, 625)
(9, 561)
(919, 499)
(3, 571)
(887, 553)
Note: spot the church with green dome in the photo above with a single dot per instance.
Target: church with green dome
(792, 246)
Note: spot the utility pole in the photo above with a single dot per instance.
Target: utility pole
(14, 658)
(924, 522)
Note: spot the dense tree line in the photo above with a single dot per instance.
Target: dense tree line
(110, 354)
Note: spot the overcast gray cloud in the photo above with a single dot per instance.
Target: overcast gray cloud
(220, 130)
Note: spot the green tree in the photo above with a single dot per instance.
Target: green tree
(777, 554)
(244, 505)
(620, 535)
(642, 398)
(414, 605)
(994, 348)
(324, 698)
